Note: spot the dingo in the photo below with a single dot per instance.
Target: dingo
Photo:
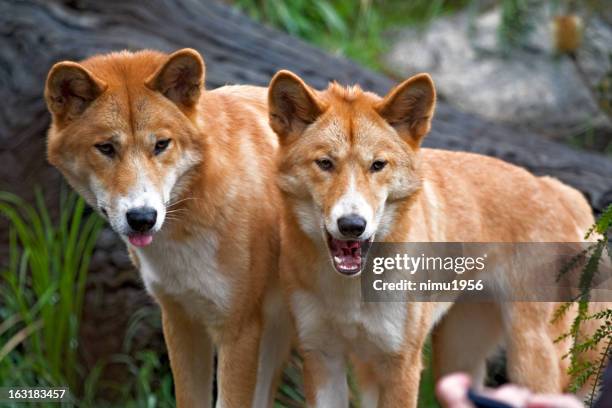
(187, 178)
(351, 169)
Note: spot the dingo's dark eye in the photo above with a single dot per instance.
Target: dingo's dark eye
(325, 164)
(106, 149)
(378, 165)
(161, 145)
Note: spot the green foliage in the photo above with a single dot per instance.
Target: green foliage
(151, 383)
(603, 224)
(41, 301)
(291, 390)
(582, 370)
(42, 290)
(427, 387)
(148, 382)
(355, 29)
(347, 28)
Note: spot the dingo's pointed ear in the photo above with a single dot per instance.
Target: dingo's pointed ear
(180, 78)
(409, 107)
(70, 89)
(293, 105)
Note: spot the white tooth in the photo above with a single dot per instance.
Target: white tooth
(337, 259)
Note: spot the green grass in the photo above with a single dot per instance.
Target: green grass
(42, 290)
(354, 29)
(148, 379)
(427, 396)
(148, 385)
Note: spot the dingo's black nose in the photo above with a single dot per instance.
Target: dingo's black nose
(141, 219)
(351, 225)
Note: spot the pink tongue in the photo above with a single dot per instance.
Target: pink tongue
(140, 240)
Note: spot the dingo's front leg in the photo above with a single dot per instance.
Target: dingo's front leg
(274, 350)
(368, 383)
(323, 353)
(325, 379)
(400, 376)
(191, 355)
(237, 365)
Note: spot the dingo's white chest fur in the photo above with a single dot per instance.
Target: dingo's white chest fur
(335, 317)
(189, 272)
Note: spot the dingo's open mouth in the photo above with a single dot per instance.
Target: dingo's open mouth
(348, 256)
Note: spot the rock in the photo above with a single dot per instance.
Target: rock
(99, 260)
(107, 239)
(527, 86)
(120, 258)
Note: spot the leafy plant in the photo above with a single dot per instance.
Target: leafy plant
(583, 370)
(146, 380)
(42, 290)
(355, 29)
(151, 385)
(41, 302)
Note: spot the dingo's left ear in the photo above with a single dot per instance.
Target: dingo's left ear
(409, 107)
(180, 78)
(292, 104)
(70, 89)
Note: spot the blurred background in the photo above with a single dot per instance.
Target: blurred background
(526, 80)
(541, 65)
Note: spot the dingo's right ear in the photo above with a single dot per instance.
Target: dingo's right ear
(292, 104)
(70, 89)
